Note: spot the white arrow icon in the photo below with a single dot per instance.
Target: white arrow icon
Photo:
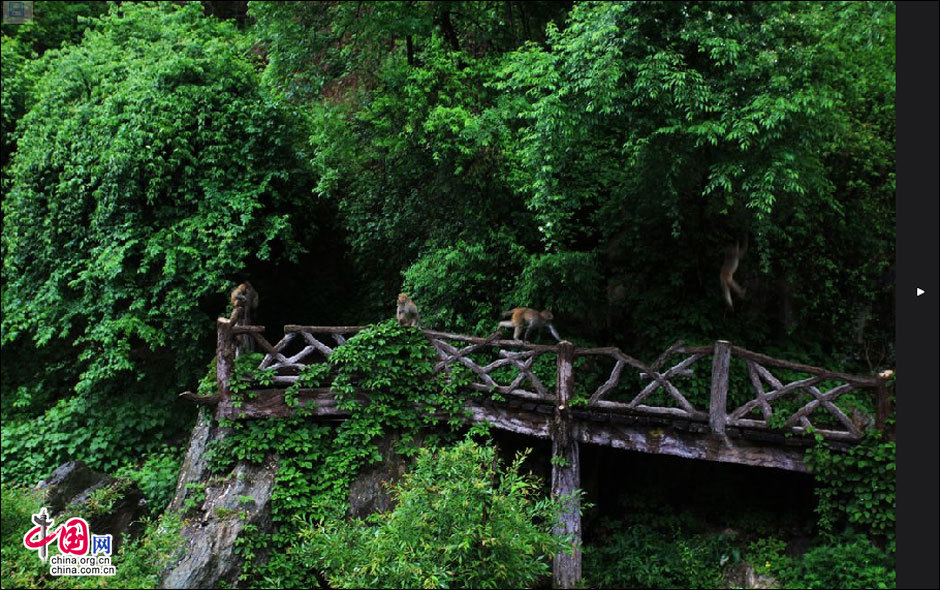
(919, 291)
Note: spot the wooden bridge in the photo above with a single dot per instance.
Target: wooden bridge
(753, 412)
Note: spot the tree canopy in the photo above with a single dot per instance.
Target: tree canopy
(150, 170)
(592, 158)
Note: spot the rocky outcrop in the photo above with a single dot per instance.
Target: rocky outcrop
(194, 468)
(242, 498)
(67, 481)
(117, 504)
(369, 492)
(742, 575)
(217, 511)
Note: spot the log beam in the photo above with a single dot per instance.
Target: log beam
(566, 474)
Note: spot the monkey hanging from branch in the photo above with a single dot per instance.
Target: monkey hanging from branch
(733, 254)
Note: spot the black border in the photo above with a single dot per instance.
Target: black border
(917, 318)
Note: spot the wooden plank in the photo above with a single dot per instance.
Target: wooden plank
(818, 400)
(627, 436)
(209, 400)
(505, 390)
(269, 403)
(491, 342)
(622, 408)
(763, 359)
(245, 329)
(654, 439)
(323, 329)
(455, 356)
(274, 353)
(523, 422)
(759, 426)
(659, 380)
(323, 348)
(609, 384)
(712, 447)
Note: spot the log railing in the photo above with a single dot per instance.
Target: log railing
(508, 368)
(797, 398)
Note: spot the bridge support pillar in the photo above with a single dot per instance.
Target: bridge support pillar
(721, 367)
(224, 357)
(566, 474)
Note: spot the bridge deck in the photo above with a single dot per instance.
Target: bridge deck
(647, 408)
(680, 438)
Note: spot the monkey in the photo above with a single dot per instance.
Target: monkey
(531, 318)
(407, 311)
(733, 254)
(244, 301)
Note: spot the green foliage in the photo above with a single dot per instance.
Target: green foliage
(156, 476)
(13, 88)
(664, 553)
(847, 562)
(480, 156)
(312, 375)
(406, 148)
(766, 555)
(393, 366)
(209, 383)
(653, 133)
(855, 491)
(600, 171)
(456, 287)
(55, 24)
(195, 496)
(139, 562)
(103, 431)
(145, 206)
(246, 377)
(460, 522)
(856, 488)
(100, 501)
(150, 168)
(844, 561)
(19, 568)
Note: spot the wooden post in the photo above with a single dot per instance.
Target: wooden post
(224, 356)
(884, 406)
(721, 364)
(566, 473)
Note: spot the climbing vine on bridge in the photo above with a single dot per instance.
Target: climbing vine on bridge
(394, 367)
(856, 489)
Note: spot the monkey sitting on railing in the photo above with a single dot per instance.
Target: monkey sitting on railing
(244, 300)
(407, 312)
